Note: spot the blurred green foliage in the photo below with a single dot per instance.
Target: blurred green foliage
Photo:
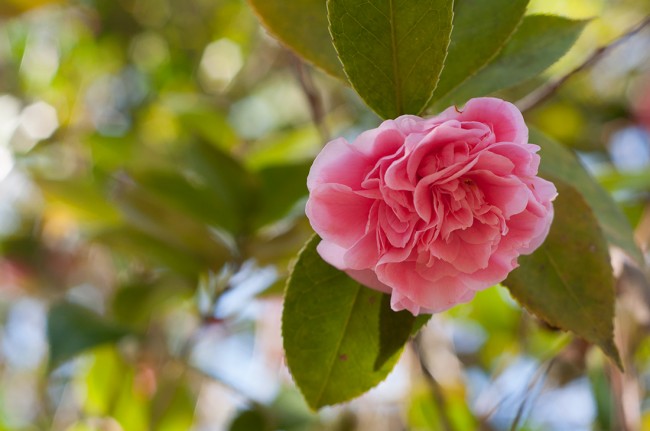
(153, 160)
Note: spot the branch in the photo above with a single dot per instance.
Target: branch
(313, 96)
(540, 375)
(436, 391)
(540, 95)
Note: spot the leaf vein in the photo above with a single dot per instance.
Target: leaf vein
(338, 346)
(394, 43)
(572, 295)
(414, 26)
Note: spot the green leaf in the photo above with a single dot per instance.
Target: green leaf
(568, 280)
(294, 145)
(392, 50)
(423, 411)
(606, 406)
(476, 40)
(84, 198)
(173, 406)
(225, 179)
(637, 181)
(394, 330)
(282, 186)
(302, 26)
(135, 304)
(136, 244)
(559, 162)
(539, 42)
(73, 329)
(147, 213)
(194, 199)
(291, 412)
(278, 246)
(251, 419)
(331, 326)
(208, 123)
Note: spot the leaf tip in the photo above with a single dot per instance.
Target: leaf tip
(611, 351)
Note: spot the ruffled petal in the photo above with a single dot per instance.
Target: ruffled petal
(338, 214)
(408, 282)
(504, 118)
(338, 163)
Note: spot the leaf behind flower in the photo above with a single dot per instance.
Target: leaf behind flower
(302, 26)
(559, 162)
(476, 40)
(538, 43)
(568, 280)
(394, 329)
(392, 50)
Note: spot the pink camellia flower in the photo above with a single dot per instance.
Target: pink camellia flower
(432, 210)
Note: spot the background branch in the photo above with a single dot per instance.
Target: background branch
(314, 98)
(540, 95)
(436, 390)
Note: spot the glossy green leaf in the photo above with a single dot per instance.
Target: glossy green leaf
(539, 42)
(73, 329)
(476, 40)
(331, 326)
(568, 280)
(394, 330)
(392, 50)
(559, 162)
(420, 322)
(302, 26)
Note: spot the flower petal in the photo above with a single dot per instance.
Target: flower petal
(338, 163)
(504, 118)
(329, 205)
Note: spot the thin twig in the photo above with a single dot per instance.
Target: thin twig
(314, 98)
(540, 95)
(547, 358)
(540, 374)
(617, 387)
(436, 389)
(184, 359)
